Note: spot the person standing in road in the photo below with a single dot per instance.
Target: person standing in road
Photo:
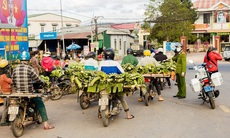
(34, 61)
(110, 66)
(180, 71)
(129, 58)
(211, 59)
(150, 60)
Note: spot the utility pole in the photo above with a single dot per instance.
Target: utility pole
(63, 39)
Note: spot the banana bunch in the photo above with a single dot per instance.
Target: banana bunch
(56, 73)
(128, 67)
(45, 78)
(170, 65)
(74, 67)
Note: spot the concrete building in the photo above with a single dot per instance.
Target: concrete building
(213, 21)
(47, 22)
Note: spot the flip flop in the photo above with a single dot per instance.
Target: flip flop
(48, 127)
(132, 116)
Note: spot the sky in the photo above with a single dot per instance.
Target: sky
(85, 10)
(109, 11)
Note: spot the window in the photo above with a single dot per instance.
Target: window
(42, 26)
(207, 18)
(54, 27)
(115, 44)
(42, 29)
(120, 44)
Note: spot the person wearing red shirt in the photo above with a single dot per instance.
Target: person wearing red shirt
(211, 59)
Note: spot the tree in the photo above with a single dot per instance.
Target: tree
(172, 19)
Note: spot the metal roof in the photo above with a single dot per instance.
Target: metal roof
(206, 4)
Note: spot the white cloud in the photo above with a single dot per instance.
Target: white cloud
(84, 10)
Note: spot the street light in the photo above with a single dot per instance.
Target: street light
(63, 39)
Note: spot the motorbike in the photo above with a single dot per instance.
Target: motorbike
(205, 84)
(85, 98)
(59, 87)
(22, 112)
(150, 90)
(109, 106)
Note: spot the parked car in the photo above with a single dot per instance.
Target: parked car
(137, 49)
(226, 53)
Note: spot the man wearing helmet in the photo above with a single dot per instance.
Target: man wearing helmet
(180, 71)
(91, 63)
(5, 87)
(23, 77)
(160, 56)
(110, 66)
(129, 58)
(150, 60)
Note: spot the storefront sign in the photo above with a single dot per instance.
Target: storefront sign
(48, 35)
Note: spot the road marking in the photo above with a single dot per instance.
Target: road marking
(224, 108)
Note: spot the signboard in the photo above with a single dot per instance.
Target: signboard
(13, 40)
(48, 35)
(170, 46)
(86, 50)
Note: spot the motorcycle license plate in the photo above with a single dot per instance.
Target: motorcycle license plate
(207, 88)
(103, 101)
(13, 110)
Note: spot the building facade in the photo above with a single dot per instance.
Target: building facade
(213, 21)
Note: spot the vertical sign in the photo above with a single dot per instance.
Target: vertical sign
(184, 43)
(13, 40)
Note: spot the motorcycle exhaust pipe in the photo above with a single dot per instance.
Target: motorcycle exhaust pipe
(27, 123)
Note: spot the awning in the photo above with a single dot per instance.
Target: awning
(75, 35)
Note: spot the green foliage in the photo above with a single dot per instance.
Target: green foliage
(172, 19)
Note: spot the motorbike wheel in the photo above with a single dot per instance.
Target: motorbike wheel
(105, 116)
(39, 118)
(65, 87)
(16, 125)
(56, 93)
(84, 101)
(148, 94)
(211, 100)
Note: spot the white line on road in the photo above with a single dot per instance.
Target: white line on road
(224, 108)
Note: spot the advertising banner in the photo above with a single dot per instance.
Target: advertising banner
(12, 41)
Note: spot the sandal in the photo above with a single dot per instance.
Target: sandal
(132, 116)
(48, 127)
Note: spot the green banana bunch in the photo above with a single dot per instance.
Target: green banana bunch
(56, 73)
(128, 67)
(46, 79)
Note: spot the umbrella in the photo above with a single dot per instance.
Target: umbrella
(73, 47)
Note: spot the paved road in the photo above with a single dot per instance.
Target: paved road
(172, 118)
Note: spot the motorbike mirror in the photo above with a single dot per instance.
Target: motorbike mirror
(190, 61)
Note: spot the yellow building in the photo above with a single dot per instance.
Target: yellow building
(213, 21)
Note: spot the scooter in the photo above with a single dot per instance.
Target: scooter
(22, 112)
(206, 84)
(109, 106)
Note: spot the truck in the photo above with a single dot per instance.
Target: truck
(226, 53)
(137, 49)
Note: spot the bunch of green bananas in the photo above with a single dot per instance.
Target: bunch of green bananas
(56, 73)
(128, 67)
(45, 78)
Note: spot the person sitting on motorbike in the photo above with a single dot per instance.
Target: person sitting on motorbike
(110, 66)
(23, 77)
(161, 57)
(5, 88)
(150, 60)
(91, 63)
(129, 58)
